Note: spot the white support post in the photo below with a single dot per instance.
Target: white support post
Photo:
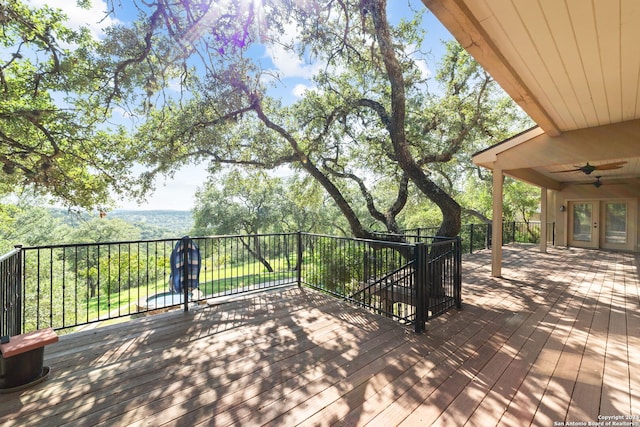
(543, 219)
(496, 236)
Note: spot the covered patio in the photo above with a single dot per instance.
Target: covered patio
(555, 339)
(574, 68)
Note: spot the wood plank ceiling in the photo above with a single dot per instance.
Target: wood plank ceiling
(571, 64)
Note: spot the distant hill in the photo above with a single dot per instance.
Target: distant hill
(157, 224)
(154, 224)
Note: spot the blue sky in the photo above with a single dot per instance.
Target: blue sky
(177, 192)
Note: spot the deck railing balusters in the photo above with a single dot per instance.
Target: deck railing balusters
(229, 267)
(378, 275)
(11, 292)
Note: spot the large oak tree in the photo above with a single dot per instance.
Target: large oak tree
(369, 118)
(371, 130)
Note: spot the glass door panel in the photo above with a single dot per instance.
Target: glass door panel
(617, 220)
(615, 223)
(582, 222)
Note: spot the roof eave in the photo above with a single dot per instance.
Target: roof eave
(463, 25)
(488, 156)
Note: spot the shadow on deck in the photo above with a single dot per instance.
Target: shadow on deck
(556, 339)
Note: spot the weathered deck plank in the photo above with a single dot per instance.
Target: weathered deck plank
(556, 339)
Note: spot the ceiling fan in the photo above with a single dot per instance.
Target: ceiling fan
(588, 168)
(597, 183)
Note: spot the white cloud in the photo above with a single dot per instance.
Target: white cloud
(424, 68)
(288, 63)
(299, 90)
(95, 18)
(418, 57)
(173, 193)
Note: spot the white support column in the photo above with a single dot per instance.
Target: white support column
(496, 235)
(543, 219)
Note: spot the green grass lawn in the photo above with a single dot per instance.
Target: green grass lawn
(64, 300)
(212, 281)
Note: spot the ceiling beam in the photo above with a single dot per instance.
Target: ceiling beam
(456, 16)
(535, 178)
(602, 143)
(533, 148)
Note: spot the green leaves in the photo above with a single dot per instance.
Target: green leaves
(351, 132)
(254, 202)
(51, 122)
(240, 203)
(188, 80)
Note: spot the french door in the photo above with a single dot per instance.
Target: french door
(583, 224)
(601, 224)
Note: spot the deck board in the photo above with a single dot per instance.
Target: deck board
(556, 339)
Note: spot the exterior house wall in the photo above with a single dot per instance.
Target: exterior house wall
(629, 192)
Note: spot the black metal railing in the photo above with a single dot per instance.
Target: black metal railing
(409, 282)
(362, 271)
(66, 286)
(478, 236)
(72, 285)
(10, 293)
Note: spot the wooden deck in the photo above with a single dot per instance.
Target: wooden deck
(557, 339)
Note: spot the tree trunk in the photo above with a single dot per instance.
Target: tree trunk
(257, 252)
(450, 209)
(356, 226)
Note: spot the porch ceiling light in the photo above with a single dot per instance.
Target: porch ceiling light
(597, 183)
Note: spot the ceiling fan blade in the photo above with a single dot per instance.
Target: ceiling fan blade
(568, 170)
(609, 166)
(589, 168)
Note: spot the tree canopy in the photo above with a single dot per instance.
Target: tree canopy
(374, 131)
(54, 109)
(257, 203)
(369, 128)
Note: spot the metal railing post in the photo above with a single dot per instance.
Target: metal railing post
(185, 272)
(299, 260)
(11, 292)
(421, 263)
(20, 289)
(458, 273)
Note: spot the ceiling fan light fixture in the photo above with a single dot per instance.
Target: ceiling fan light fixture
(597, 183)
